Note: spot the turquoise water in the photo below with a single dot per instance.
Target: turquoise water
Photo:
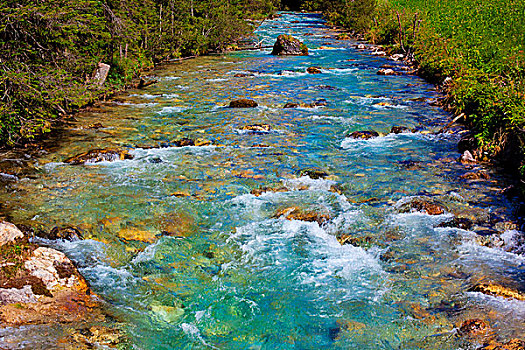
(188, 258)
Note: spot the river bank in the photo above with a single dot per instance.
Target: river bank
(314, 225)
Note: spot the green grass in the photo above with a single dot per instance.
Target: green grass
(480, 45)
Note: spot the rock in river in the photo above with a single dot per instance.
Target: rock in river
(287, 45)
(294, 213)
(363, 134)
(99, 155)
(415, 204)
(314, 70)
(257, 128)
(243, 103)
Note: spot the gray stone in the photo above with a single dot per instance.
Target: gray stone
(9, 233)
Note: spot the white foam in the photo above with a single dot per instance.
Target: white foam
(170, 78)
(173, 109)
(217, 79)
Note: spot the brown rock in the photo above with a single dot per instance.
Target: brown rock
(513, 344)
(313, 173)
(314, 70)
(498, 290)
(291, 105)
(399, 129)
(473, 328)
(286, 45)
(177, 224)
(184, 142)
(294, 213)
(99, 155)
(363, 134)
(422, 205)
(257, 128)
(475, 175)
(69, 233)
(243, 103)
(259, 191)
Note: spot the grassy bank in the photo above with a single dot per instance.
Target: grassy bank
(479, 44)
(50, 49)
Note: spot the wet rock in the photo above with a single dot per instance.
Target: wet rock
(363, 134)
(103, 336)
(291, 105)
(467, 158)
(364, 242)
(319, 103)
(177, 224)
(361, 47)
(68, 233)
(416, 204)
(397, 57)
(257, 128)
(399, 130)
(462, 223)
(294, 213)
(243, 103)
(499, 291)
(314, 70)
(288, 45)
(410, 164)
(184, 142)
(475, 175)
(99, 155)
(95, 126)
(473, 328)
(513, 344)
(326, 87)
(202, 142)
(9, 233)
(155, 160)
(387, 71)
(240, 75)
(138, 234)
(261, 190)
(467, 143)
(313, 173)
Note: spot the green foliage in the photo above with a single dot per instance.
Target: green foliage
(50, 49)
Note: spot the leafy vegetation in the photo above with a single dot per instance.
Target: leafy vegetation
(479, 44)
(49, 49)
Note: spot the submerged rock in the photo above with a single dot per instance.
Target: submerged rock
(513, 344)
(399, 129)
(364, 242)
(415, 204)
(363, 134)
(243, 103)
(68, 233)
(257, 128)
(473, 328)
(287, 45)
(462, 223)
(475, 175)
(294, 213)
(99, 155)
(184, 142)
(261, 190)
(499, 291)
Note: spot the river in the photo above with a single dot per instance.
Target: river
(189, 256)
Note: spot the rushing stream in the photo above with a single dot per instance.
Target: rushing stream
(189, 258)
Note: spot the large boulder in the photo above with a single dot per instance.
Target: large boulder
(99, 155)
(9, 233)
(243, 103)
(287, 45)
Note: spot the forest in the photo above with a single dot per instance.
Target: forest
(49, 50)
